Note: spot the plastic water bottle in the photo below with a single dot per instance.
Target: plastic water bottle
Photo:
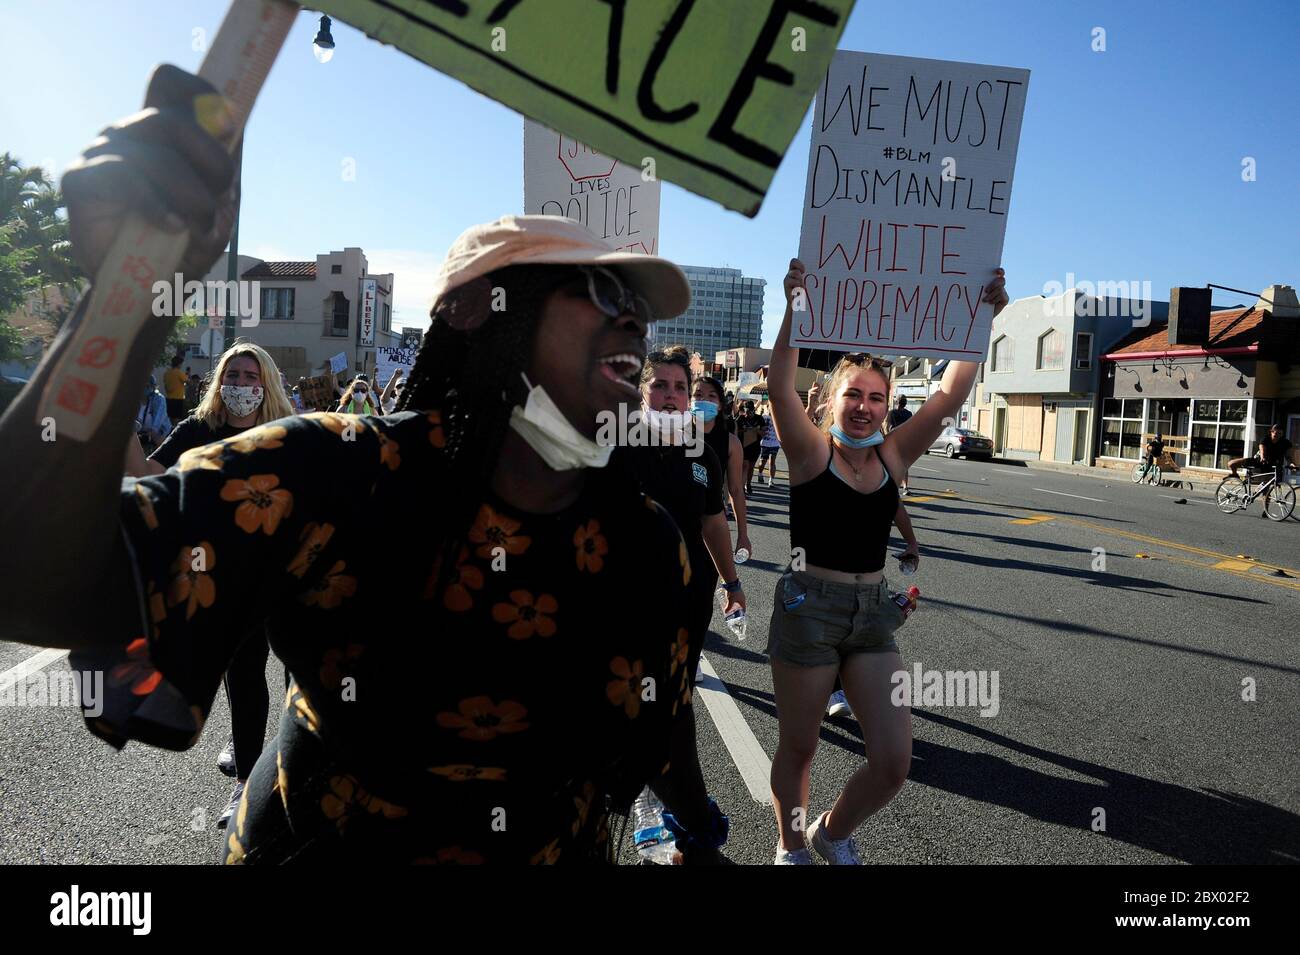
(742, 555)
(654, 840)
(736, 621)
(907, 564)
(907, 601)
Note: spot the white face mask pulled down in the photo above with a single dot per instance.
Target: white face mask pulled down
(668, 427)
(241, 400)
(548, 432)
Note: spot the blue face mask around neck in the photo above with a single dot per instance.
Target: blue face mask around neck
(867, 442)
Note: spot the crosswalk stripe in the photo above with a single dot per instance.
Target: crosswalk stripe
(13, 675)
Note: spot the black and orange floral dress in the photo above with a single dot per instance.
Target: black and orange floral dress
(485, 721)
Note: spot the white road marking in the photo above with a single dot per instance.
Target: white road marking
(43, 659)
(1064, 494)
(917, 467)
(749, 757)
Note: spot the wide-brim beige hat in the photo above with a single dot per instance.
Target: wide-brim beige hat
(555, 240)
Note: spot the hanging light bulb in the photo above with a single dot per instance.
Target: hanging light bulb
(323, 45)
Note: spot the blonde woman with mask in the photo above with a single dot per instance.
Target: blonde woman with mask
(834, 617)
(246, 390)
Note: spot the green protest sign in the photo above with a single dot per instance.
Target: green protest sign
(704, 94)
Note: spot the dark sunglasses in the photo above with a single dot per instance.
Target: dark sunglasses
(866, 360)
(612, 297)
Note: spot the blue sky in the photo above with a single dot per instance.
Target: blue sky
(1129, 168)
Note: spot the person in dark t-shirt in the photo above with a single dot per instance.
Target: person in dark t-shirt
(686, 480)
(897, 417)
(1155, 448)
(1273, 453)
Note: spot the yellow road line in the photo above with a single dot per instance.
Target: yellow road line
(1233, 565)
(1158, 541)
(1261, 578)
(1036, 519)
(1188, 548)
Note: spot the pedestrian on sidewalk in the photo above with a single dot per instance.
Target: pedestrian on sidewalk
(835, 616)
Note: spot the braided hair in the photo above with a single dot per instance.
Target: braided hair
(473, 378)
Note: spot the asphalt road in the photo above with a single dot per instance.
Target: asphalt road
(1120, 689)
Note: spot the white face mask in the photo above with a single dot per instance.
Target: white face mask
(241, 400)
(669, 426)
(548, 432)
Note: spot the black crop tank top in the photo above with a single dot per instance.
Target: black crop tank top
(840, 528)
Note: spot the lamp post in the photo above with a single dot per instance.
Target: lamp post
(323, 47)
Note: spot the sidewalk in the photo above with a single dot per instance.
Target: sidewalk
(1180, 480)
(1184, 480)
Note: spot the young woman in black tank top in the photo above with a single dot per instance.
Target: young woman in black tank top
(726, 446)
(834, 617)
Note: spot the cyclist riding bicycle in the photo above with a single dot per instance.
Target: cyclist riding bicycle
(1155, 449)
(1274, 455)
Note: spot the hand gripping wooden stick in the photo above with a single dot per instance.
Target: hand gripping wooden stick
(89, 371)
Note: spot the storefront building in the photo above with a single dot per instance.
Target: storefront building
(1037, 394)
(1211, 398)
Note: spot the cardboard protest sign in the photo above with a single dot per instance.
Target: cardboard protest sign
(905, 207)
(388, 360)
(339, 363)
(706, 95)
(563, 177)
(318, 393)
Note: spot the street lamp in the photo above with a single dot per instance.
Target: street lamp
(323, 45)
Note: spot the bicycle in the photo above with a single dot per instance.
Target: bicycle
(1151, 475)
(1234, 493)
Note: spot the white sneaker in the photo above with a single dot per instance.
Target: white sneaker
(769, 481)
(841, 852)
(837, 705)
(797, 857)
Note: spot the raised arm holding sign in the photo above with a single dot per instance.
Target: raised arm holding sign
(154, 195)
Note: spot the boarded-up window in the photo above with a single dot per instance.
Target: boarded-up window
(1051, 351)
(1002, 354)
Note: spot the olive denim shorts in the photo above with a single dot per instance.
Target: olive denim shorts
(818, 622)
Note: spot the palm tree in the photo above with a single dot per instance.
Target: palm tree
(16, 185)
(33, 228)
